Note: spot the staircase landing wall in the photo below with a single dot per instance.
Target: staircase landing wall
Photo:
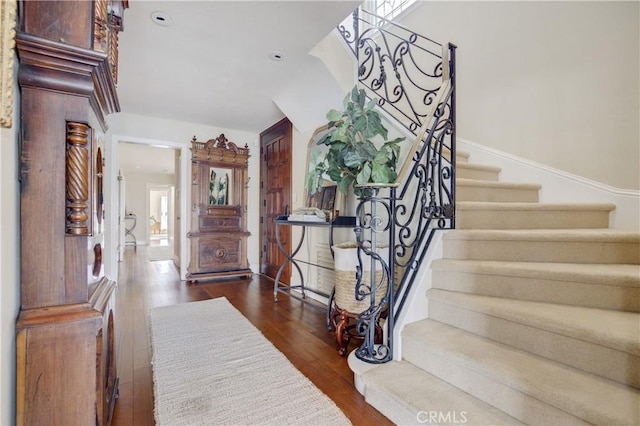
(559, 186)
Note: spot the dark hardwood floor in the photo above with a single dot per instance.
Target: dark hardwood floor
(296, 329)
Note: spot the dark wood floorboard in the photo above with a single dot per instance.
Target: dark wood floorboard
(298, 330)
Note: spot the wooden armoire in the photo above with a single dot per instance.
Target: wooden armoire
(65, 353)
(218, 237)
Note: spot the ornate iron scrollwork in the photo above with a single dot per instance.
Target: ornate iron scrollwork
(405, 71)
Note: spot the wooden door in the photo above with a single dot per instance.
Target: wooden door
(275, 196)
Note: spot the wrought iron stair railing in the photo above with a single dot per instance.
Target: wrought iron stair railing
(413, 78)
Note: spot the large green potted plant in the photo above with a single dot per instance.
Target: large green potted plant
(359, 151)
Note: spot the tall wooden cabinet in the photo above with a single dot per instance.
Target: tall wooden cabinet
(65, 353)
(219, 233)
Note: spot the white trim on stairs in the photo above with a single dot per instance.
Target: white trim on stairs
(557, 183)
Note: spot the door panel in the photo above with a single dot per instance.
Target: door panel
(275, 196)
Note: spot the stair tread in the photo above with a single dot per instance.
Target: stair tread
(573, 391)
(496, 184)
(596, 234)
(623, 275)
(614, 329)
(420, 392)
(489, 205)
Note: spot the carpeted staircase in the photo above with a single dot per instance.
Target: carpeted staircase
(533, 317)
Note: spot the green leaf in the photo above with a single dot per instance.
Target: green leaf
(368, 149)
(334, 115)
(335, 175)
(352, 156)
(308, 180)
(340, 134)
(365, 174)
(347, 100)
(358, 97)
(325, 140)
(395, 141)
(371, 125)
(383, 156)
(313, 179)
(345, 184)
(371, 105)
(380, 173)
(394, 147)
(354, 159)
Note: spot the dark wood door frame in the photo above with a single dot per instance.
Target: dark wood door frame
(276, 144)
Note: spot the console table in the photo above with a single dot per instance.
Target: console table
(129, 238)
(339, 222)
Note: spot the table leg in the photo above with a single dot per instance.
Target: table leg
(289, 260)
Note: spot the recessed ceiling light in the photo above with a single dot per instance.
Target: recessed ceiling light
(276, 56)
(161, 18)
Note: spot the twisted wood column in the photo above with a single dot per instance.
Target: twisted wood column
(77, 178)
(115, 25)
(101, 30)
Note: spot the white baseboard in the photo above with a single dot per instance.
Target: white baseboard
(559, 186)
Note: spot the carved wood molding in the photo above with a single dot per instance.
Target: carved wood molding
(65, 68)
(59, 314)
(219, 149)
(77, 178)
(7, 43)
(107, 26)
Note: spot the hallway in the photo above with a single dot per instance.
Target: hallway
(297, 330)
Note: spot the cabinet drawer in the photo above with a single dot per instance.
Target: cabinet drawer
(225, 223)
(219, 254)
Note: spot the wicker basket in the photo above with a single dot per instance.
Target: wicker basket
(346, 260)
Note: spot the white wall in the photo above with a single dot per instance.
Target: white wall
(136, 199)
(178, 134)
(9, 263)
(553, 82)
(338, 59)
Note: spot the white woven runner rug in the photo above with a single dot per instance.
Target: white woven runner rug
(211, 366)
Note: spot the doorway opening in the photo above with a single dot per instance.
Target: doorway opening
(159, 216)
(160, 211)
(143, 165)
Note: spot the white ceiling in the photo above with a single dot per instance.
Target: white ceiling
(212, 65)
(139, 158)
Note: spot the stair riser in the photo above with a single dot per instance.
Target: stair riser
(523, 407)
(460, 158)
(407, 395)
(479, 174)
(530, 219)
(540, 290)
(390, 407)
(606, 362)
(566, 251)
(495, 195)
(525, 386)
